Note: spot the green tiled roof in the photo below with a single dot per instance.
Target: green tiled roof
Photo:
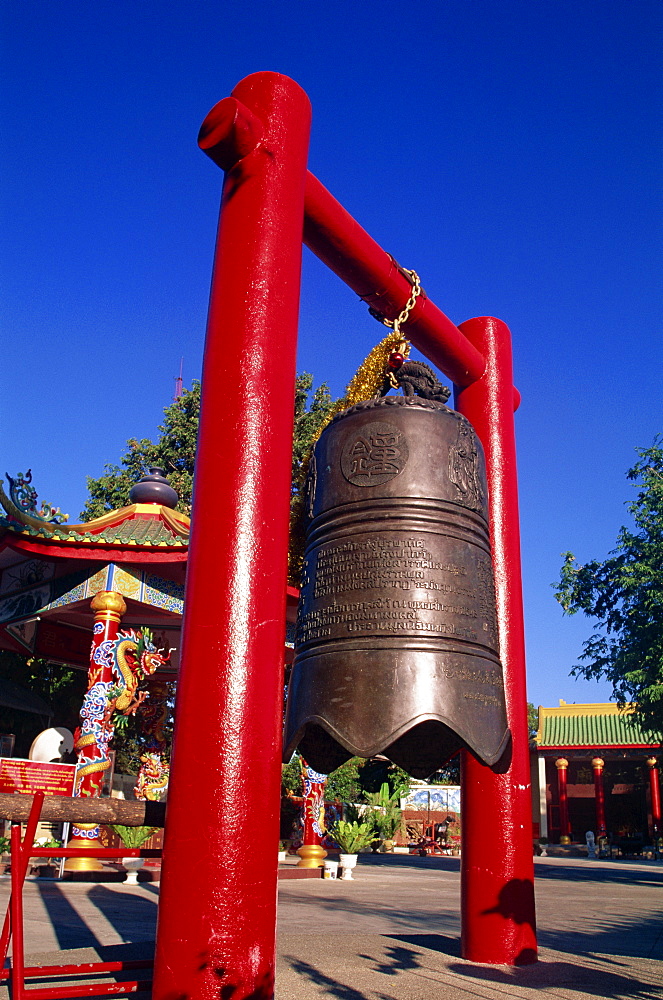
(594, 730)
(134, 531)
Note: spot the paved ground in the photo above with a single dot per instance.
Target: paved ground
(392, 933)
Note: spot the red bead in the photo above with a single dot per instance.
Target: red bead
(395, 360)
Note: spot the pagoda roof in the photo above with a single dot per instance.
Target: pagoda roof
(600, 724)
(144, 525)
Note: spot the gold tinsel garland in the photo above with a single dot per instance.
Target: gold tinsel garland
(367, 383)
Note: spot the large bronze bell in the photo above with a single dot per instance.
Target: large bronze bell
(396, 650)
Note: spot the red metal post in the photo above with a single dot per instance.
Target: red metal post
(655, 796)
(497, 872)
(20, 855)
(19, 868)
(599, 796)
(217, 916)
(562, 765)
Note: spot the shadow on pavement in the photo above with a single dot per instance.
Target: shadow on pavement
(594, 872)
(631, 876)
(332, 987)
(134, 922)
(70, 928)
(597, 981)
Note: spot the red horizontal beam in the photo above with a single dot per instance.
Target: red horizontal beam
(83, 968)
(347, 249)
(88, 990)
(97, 852)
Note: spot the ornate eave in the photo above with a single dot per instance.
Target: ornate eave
(140, 525)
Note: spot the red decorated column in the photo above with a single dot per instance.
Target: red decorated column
(96, 729)
(312, 853)
(217, 915)
(565, 830)
(599, 796)
(497, 871)
(655, 796)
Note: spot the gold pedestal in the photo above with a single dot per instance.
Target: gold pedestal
(564, 839)
(311, 855)
(84, 864)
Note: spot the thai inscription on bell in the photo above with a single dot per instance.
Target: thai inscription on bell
(396, 649)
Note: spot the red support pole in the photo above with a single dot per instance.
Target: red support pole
(20, 860)
(497, 872)
(562, 765)
(655, 797)
(217, 916)
(599, 796)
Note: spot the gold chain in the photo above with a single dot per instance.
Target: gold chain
(402, 318)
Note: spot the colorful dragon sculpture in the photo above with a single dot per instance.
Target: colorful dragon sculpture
(154, 769)
(152, 777)
(117, 668)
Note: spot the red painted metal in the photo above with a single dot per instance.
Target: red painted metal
(19, 868)
(215, 932)
(16, 911)
(84, 968)
(497, 872)
(599, 796)
(655, 797)
(16, 975)
(86, 990)
(340, 242)
(217, 916)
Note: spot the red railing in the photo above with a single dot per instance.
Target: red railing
(17, 973)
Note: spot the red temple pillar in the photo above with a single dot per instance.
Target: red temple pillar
(565, 830)
(96, 730)
(655, 796)
(599, 796)
(497, 870)
(312, 853)
(216, 933)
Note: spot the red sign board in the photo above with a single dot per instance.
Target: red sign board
(25, 777)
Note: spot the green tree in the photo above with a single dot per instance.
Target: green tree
(174, 452)
(61, 688)
(624, 593)
(344, 783)
(532, 719)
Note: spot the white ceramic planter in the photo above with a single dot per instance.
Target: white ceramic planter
(347, 863)
(132, 866)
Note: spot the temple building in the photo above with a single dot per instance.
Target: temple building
(595, 768)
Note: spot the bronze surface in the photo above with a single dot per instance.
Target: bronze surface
(396, 649)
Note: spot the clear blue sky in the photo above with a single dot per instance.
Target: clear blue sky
(509, 152)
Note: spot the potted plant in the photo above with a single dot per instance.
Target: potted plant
(133, 837)
(283, 847)
(49, 866)
(385, 815)
(351, 838)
